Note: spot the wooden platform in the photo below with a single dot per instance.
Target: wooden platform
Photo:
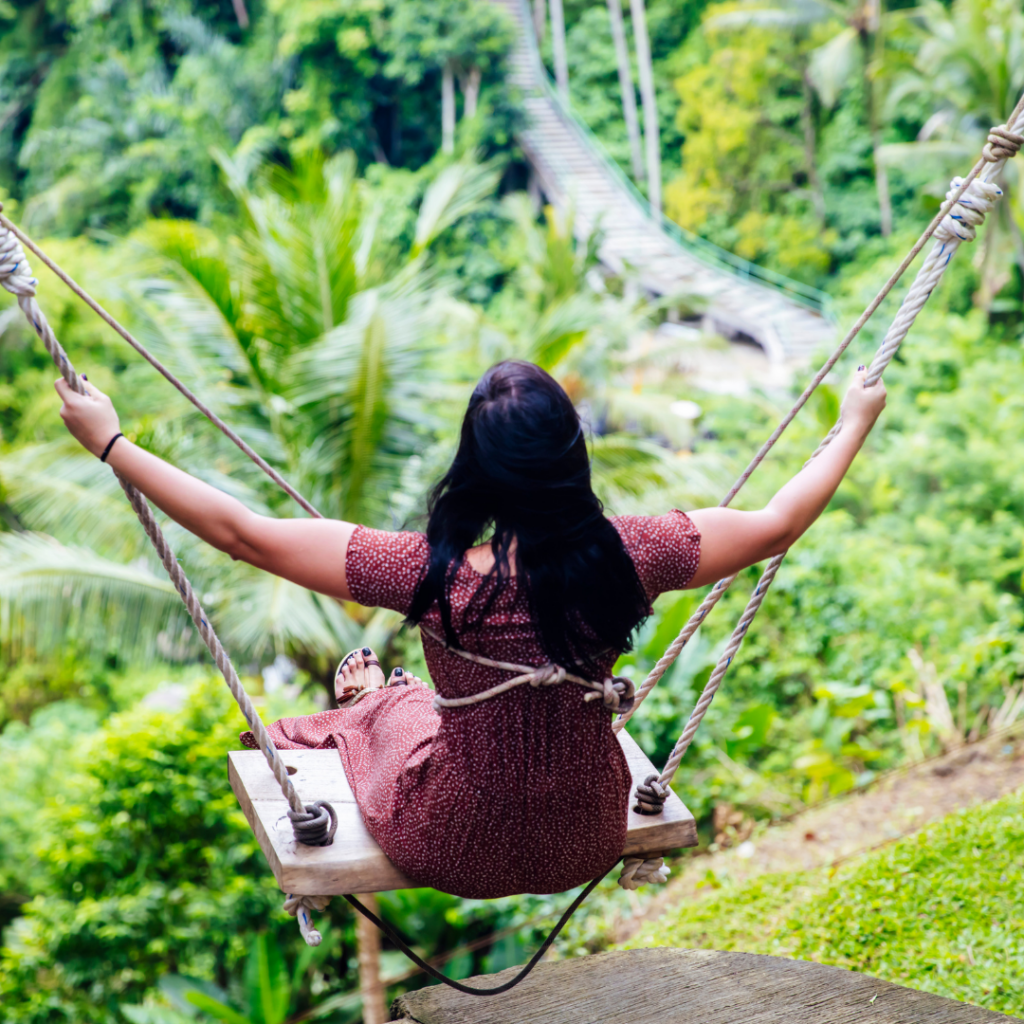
(687, 986)
(355, 863)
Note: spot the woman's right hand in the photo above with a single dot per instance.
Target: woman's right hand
(862, 406)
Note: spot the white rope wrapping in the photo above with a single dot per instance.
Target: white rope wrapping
(299, 908)
(16, 277)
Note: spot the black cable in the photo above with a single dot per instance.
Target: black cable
(457, 985)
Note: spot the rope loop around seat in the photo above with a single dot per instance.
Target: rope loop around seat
(316, 825)
(651, 795)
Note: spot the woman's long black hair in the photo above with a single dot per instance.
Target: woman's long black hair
(523, 472)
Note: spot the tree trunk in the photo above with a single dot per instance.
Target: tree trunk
(652, 134)
(881, 176)
(558, 50)
(447, 110)
(370, 987)
(811, 149)
(471, 92)
(627, 89)
(241, 14)
(540, 17)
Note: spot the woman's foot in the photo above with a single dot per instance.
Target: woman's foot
(399, 677)
(358, 673)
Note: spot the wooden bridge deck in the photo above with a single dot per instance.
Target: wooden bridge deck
(688, 986)
(571, 168)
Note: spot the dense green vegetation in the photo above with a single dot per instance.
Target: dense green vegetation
(938, 911)
(279, 212)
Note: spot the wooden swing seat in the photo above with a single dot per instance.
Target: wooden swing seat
(688, 986)
(354, 863)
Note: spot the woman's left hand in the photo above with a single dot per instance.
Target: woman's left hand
(91, 417)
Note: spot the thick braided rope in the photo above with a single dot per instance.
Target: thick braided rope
(1002, 143)
(156, 364)
(615, 692)
(971, 201)
(16, 277)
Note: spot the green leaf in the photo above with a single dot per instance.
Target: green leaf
(266, 982)
(216, 1009)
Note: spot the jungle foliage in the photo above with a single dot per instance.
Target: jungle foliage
(267, 207)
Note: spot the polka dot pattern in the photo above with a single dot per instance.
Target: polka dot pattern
(525, 792)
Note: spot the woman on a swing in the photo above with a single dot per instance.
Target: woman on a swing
(526, 791)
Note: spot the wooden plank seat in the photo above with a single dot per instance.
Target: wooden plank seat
(687, 986)
(354, 862)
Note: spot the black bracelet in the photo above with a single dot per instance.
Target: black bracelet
(110, 444)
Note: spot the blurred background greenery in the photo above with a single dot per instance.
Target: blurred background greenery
(269, 196)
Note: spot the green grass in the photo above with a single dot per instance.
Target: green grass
(941, 911)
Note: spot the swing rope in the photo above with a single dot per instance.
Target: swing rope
(967, 202)
(312, 823)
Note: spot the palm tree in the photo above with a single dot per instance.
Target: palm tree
(558, 50)
(649, 102)
(856, 47)
(626, 88)
(311, 332)
(969, 68)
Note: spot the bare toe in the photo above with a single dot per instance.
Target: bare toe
(399, 677)
(359, 672)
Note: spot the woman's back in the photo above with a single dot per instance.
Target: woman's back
(523, 792)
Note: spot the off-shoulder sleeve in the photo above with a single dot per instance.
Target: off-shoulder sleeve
(665, 549)
(383, 568)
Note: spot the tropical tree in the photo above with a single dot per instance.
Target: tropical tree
(309, 328)
(855, 48)
(456, 38)
(649, 102)
(558, 50)
(627, 89)
(969, 70)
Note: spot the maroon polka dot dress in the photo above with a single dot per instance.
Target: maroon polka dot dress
(526, 792)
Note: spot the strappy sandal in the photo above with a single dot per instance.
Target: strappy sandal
(351, 695)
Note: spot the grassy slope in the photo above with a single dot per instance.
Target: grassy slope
(942, 911)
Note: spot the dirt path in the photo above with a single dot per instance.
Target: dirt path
(898, 804)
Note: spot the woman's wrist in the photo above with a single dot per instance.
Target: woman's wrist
(119, 449)
(105, 454)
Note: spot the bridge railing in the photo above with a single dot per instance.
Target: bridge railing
(701, 249)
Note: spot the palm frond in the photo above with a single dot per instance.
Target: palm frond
(50, 591)
(636, 476)
(258, 614)
(59, 489)
(458, 190)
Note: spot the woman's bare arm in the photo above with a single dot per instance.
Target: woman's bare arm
(732, 540)
(309, 552)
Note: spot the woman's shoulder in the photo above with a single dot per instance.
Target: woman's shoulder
(665, 549)
(672, 525)
(384, 567)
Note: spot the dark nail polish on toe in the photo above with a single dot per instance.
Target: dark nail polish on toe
(861, 367)
(367, 652)
(399, 672)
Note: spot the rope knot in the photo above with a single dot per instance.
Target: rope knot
(547, 675)
(651, 795)
(637, 871)
(15, 272)
(1002, 144)
(299, 908)
(616, 694)
(963, 220)
(316, 825)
